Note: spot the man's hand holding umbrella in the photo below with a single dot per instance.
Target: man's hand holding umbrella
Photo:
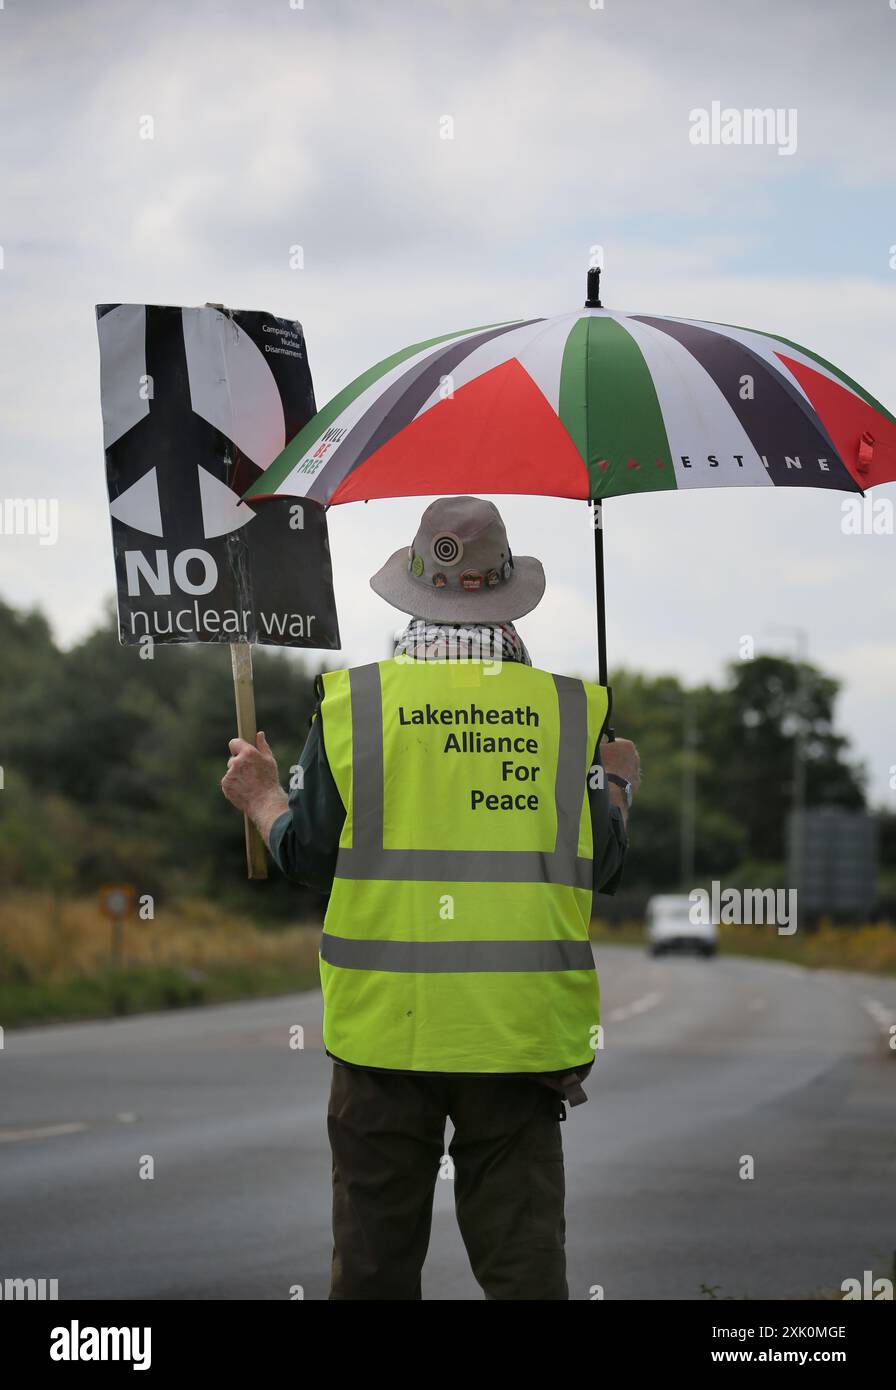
(621, 759)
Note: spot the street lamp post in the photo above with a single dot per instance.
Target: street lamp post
(688, 791)
(798, 785)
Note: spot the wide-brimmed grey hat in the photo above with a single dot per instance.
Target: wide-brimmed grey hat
(460, 569)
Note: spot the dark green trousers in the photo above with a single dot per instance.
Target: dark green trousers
(387, 1134)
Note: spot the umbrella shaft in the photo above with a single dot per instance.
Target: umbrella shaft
(600, 593)
(601, 601)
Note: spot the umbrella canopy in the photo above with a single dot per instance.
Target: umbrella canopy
(590, 404)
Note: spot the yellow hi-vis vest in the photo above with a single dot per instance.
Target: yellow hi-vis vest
(456, 937)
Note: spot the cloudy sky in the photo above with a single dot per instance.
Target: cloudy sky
(276, 124)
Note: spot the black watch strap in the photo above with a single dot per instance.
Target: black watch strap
(621, 782)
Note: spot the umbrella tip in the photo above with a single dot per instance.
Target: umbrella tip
(593, 300)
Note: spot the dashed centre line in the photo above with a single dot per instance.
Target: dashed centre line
(884, 1018)
(16, 1136)
(637, 1006)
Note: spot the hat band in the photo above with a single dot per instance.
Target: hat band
(468, 581)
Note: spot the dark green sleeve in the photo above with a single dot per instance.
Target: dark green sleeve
(305, 839)
(610, 836)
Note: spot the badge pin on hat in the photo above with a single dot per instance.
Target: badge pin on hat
(460, 568)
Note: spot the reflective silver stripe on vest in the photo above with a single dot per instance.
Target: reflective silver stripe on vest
(465, 866)
(569, 783)
(368, 859)
(367, 756)
(454, 957)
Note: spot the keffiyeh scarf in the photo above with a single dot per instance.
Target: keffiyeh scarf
(423, 640)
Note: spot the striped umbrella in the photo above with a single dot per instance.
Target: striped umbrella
(590, 405)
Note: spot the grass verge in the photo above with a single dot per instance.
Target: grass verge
(60, 961)
(144, 989)
(870, 948)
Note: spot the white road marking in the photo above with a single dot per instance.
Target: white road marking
(637, 1006)
(883, 1017)
(15, 1136)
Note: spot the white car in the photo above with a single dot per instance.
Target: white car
(670, 928)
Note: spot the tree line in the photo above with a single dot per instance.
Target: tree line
(112, 764)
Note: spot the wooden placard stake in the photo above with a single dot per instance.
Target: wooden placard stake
(244, 691)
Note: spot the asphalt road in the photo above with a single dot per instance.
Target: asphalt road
(703, 1062)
